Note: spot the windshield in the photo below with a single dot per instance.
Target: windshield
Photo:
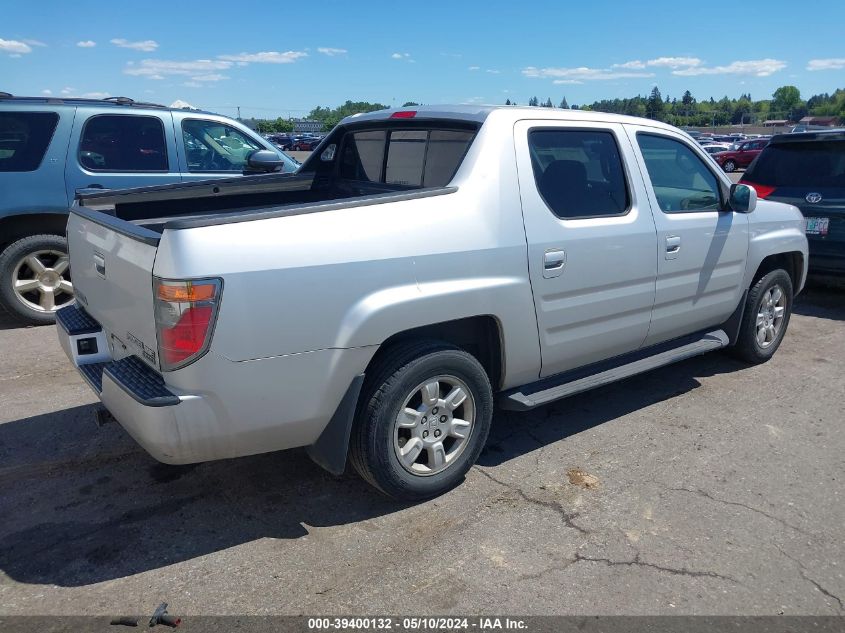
(813, 164)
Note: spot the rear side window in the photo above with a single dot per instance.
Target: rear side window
(816, 164)
(410, 158)
(24, 138)
(579, 173)
(681, 181)
(123, 143)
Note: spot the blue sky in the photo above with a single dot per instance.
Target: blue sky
(282, 58)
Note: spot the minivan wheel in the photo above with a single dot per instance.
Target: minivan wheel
(35, 278)
(767, 311)
(729, 166)
(422, 420)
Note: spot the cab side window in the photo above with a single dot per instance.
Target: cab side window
(579, 173)
(213, 146)
(682, 182)
(122, 142)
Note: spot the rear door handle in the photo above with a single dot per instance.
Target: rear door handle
(673, 246)
(554, 261)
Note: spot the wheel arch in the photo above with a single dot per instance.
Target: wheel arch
(792, 262)
(20, 225)
(479, 335)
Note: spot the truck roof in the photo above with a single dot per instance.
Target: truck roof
(479, 114)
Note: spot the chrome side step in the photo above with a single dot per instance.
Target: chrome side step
(525, 398)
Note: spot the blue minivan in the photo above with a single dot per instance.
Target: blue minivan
(50, 149)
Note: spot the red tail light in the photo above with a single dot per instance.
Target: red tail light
(187, 337)
(762, 190)
(185, 314)
(405, 114)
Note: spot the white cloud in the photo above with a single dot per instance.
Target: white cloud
(34, 42)
(331, 52)
(47, 92)
(68, 90)
(266, 57)
(756, 67)
(581, 74)
(635, 64)
(492, 71)
(403, 56)
(86, 44)
(567, 82)
(160, 68)
(674, 62)
(209, 77)
(14, 47)
(192, 84)
(474, 68)
(147, 46)
(95, 95)
(826, 64)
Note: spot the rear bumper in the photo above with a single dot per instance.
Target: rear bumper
(825, 259)
(134, 394)
(214, 408)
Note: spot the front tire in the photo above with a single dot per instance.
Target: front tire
(422, 421)
(729, 166)
(35, 278)
(767, 311)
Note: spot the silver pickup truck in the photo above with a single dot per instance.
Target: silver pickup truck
(422, 266)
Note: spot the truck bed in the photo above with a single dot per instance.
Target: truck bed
(188, 205)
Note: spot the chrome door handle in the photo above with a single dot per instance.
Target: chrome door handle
(673, 246)
(554, 260)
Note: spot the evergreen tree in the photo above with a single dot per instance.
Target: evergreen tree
(654, 106)
(563, 104)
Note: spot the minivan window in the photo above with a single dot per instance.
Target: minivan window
(813, 164)
(682, 182)
(579, 173)
(121, 142)
(24, 138)
(213, 146)
(411, 158)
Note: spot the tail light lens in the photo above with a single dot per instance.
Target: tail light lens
(762, 190)
(185, 314)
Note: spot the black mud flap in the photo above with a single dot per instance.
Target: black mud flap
(331, 448)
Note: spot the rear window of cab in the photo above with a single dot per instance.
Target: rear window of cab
(427, 157)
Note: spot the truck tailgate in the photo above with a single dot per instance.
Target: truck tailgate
(112, 263)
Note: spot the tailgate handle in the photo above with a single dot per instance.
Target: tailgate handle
(100, 265)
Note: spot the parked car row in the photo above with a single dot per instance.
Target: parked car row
(52, 149)
(296, 143)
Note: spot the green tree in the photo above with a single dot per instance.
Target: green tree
(408, 104)
(548, 103)
(330, 117)
(655, 106)
(533, 101)
(563, 104)
(786, 99)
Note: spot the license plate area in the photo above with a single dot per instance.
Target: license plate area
(817, 226)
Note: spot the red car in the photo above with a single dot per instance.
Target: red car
(742, 156)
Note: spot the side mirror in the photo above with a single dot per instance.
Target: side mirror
(743, 199)
(264, 160)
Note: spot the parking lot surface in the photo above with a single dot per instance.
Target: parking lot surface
(708, 487)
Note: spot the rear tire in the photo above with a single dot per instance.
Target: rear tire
(41, 260)
(766, 317)
(410, 439)
(729, 166)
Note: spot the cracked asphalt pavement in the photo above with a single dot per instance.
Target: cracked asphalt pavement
(708, 487)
